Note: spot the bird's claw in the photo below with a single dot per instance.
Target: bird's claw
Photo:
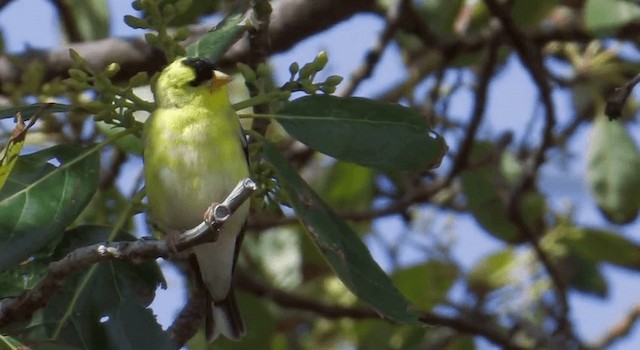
(210, 220)
(173, 238)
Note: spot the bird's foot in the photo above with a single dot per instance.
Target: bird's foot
(210, 220)
(172, 237)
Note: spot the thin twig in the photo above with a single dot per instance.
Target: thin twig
(4, 3)
(479, 107)
(293, 301)
(620, 330)
(394, 14)
(617, 100)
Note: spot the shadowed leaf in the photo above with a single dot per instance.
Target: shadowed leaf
(40, 199)
(613, 168)
(105, 306)
(341, 247)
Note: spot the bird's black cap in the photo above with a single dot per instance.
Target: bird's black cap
(203, 69)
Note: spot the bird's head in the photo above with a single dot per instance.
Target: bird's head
(188, 78)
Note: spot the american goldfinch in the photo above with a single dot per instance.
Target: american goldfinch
(194, 155)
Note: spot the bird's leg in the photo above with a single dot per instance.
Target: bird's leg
(210, 216)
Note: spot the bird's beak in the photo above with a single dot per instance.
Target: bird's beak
(219, 80)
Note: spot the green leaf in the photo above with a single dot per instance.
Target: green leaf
(130, 325)
(367, 132)
(341, 247)
(609, 247)
(105, 306)
(39, 200)
(9, 343)
(461, 343)
(347, 186)
(426, 285)
(130, 143)
(612, 173)
(601, 246)
(492, 272)
(278, 254)
(215, 43)
(91, 18)
(510, 168)
(24, 276)
(441, 15)
(197, 10)
(604, 17)
(481, 186)
(569, 246)
(583, 275)
(30, 110)
(528, 14)
(375, 335)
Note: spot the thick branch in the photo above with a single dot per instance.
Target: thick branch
(291, 22)
(69, 23)
(189, 319)
(27, 303)
(24, 305)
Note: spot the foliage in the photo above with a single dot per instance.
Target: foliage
(330, 170)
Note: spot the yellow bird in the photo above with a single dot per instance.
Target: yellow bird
(194, 155)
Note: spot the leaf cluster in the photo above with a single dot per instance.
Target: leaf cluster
(47, 208)
(331, 170)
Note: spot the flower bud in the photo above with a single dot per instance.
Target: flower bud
(333, 80)
(320, 61)
(294, 68)
(112, 69)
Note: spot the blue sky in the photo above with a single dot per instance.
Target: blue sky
(31, 23)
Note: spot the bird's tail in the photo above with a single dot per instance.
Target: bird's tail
(224, 318)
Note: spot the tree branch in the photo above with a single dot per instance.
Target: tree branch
(293, 301)
(479, 106)
(532, 59)
(66, 15)
(24, 305)
(394, 15)
(189, 319)
(621, 329)
(259, 43)
(4, 3)
(617, 100)
(292, 21)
